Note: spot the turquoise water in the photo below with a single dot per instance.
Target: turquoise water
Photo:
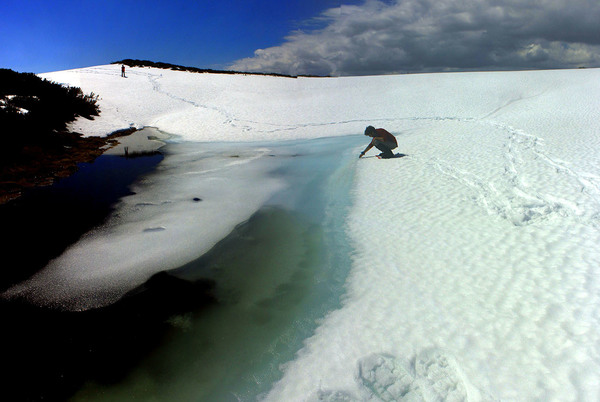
(276, 275)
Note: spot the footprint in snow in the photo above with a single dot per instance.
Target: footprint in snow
(435, 375)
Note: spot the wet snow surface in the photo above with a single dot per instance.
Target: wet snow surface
(475, 265)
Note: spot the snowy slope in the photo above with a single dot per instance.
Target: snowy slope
(212, 107)
(476, 267)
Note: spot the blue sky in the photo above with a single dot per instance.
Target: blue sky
(49, 35)
(322, 37)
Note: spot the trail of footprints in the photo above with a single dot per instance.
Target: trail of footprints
(522, 200)
(511, 196)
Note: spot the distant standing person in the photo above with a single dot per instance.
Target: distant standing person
(123, 71)
(382, 140)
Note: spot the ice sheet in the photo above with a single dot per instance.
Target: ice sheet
(198, 194)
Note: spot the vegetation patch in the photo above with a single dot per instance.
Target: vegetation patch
(37, 147)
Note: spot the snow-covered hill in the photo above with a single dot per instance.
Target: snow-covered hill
(476, 265)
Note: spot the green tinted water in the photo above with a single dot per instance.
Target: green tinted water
(276, 275)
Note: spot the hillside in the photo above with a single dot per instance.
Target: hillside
(175, 67)
(467, 270)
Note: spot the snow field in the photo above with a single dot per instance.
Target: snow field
(475, 271)
(480, 248)
(214, 107)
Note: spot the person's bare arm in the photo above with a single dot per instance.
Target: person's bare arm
(369, 146)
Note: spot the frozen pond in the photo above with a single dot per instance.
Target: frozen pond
(52, 218)
(275, 275)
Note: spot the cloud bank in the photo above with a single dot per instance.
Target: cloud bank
(438, 35)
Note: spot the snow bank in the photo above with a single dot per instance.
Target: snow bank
(475, 274)
(476, 271)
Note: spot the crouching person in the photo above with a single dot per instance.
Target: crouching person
(382, 140)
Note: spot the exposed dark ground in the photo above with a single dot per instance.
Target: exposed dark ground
(38, 165)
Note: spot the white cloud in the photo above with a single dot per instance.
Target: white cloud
(439, 35)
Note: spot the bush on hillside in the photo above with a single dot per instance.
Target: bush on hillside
(34, 111)
(169, 66)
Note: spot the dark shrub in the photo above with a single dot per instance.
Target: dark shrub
(33, 110)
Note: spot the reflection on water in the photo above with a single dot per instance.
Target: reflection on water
(275, 276)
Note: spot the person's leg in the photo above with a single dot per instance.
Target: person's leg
(386, 152)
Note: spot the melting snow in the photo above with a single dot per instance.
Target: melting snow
(475, 273)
